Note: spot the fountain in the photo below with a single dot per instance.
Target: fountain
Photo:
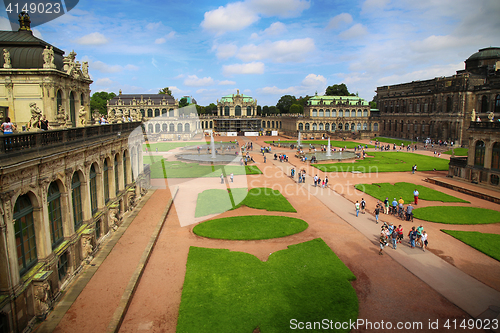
(329, 149)
(212, 145)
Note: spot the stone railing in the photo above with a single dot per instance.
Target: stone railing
(458, 161)
(484, 125)
(27, 142)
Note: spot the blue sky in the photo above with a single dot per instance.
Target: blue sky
(269, 48)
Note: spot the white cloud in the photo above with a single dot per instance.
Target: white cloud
(154, 63)
(194, 81)
(5, 24)
(339, 20)
(104, 82)
(281, 8)
(162, 40)
(356, 31)
(313, 80)
(105, 68)
(130, 67)
(37, 33)
(294, 50)
(154, 25)
(226, 83)
(180, 76)
(95, 38)
(235, 16)
(176, 91)
(277, 91)
(250, 68)
(277, 28)
(226, 51)
(373, 5)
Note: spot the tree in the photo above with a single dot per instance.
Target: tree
(265, 110)
(99, 101)
(183, 102)
(285, 103)
(373, 103)
(296, 108)
(303, 101)
(338, 90)
(165, 91)
(273, 110)
(259, 110)
(211, 109)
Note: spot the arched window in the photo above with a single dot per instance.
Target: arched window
(226, 111)
(307, 126)
(315, 113)
(76, 196)
(334, 113)
(358, 127)
(365, 126)
(143, 114)
(170, 112)
(117, 183)
(495, 158)
(59, 99)
(347, 113)
(359, 113)
(327, 113)
(186, 128)
(321, 127)
(72, 109)
(93, 189)
(375, 127)
(497, 104)
(164, 127)
(321, 113)
(150, 128)
(210, 124)
(340, 126)
(484, 104)
(237, 111)
(315, 127)
(301, 127)
(105, 174)
(171, 128)
(341, 114)
(82, 100)
(272, 124)
(334, 127)
(124, 169)
(268, 124)
(365, 113)
(327, 127)
(449, 105)
(157, 128)
(55, 215)
(24, 227)
(221, 111)
(353, 125)
(150, 113)
(479, 154)
(249, 110)
(179, 127)
(164, 112)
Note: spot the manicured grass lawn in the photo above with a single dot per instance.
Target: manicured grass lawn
(317, 143)
(250, 227)
(166, 146)
(457, 215)
(405, 190)
(228, 292)
(215, 201)
(388, 162)
(394, 141)
(486, 243)
(176, 169)
(458, 151)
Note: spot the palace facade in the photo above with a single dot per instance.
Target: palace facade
(441, 108)
(62, 191)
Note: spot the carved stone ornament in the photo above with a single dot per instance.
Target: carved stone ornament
(87, 247)
(6, 59)
(42, 299)
(82, 113)
(36, 114)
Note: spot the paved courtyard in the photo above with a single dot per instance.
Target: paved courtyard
(450, 281)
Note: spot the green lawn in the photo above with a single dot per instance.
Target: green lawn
(388, 162)
(166, 146)
(251, 227)
(457, 215)
(398, 142)
(458, 151)
(405, 190)
(486, 243)
(216, 201)
(228, 292)
(176, 169)
(317, 143)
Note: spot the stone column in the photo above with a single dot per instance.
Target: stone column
(9, 271)
(488, 151)
(42, 223)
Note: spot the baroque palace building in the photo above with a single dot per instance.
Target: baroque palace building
(62, 191)
(441, 108)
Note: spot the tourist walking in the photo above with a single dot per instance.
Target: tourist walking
(424, 240)
(386, 206)
(222, 178)
(377, 212)
(363, 205)
(232, 177)
(415, 196)
(326, 181)
(394, 239)
(412, 235)
(356, 205)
